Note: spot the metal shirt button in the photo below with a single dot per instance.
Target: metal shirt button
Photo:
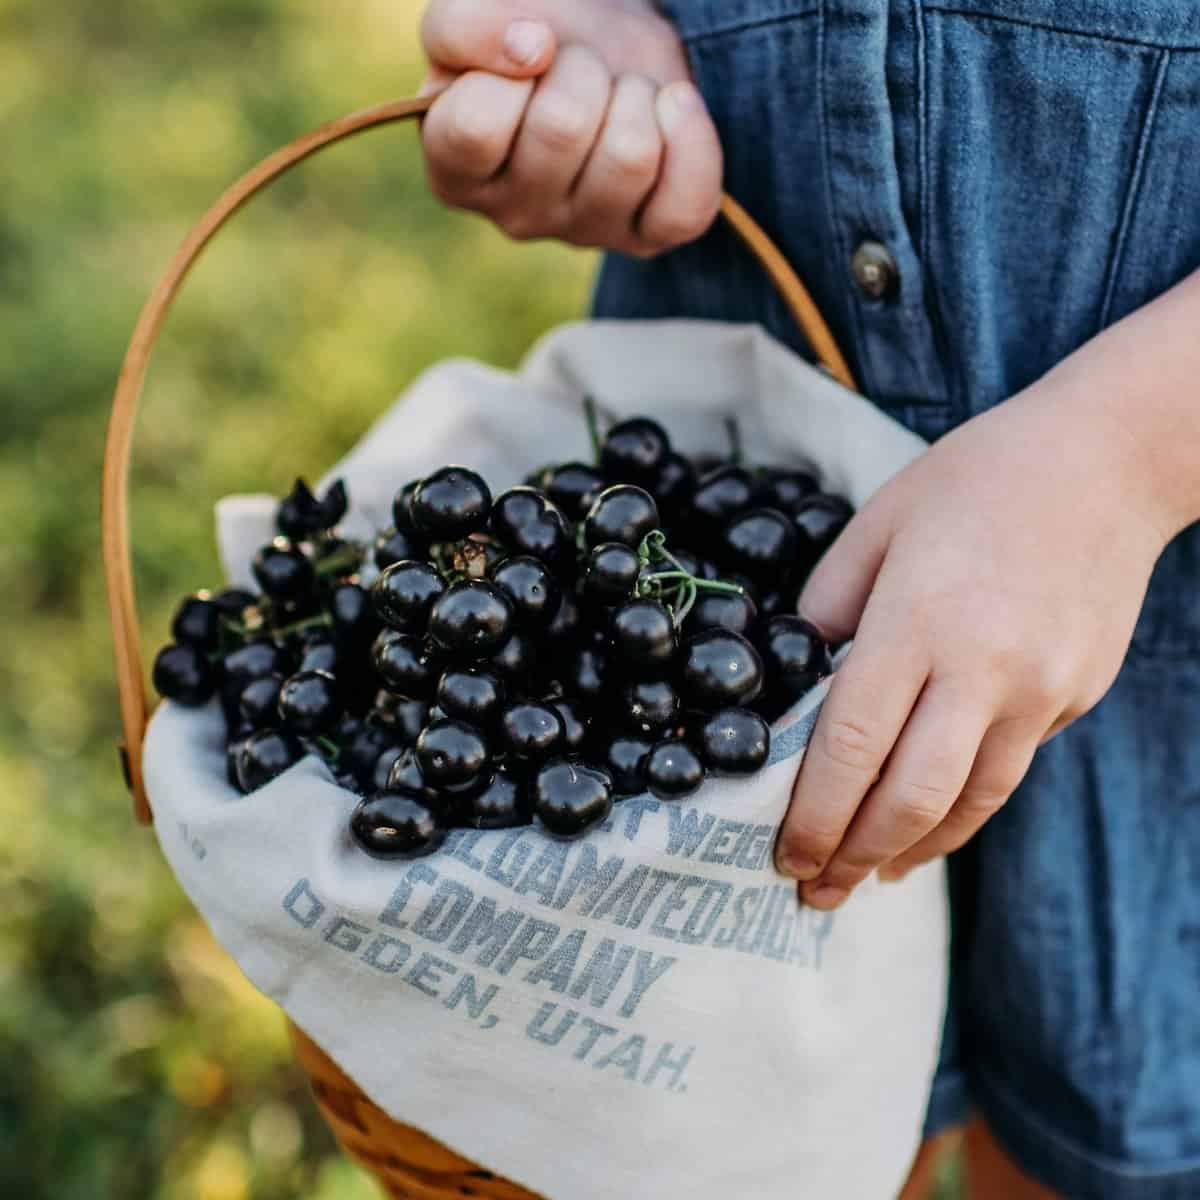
(874, 270)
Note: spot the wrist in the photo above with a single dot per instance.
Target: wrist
(1132, 390)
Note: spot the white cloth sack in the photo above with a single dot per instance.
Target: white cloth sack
(647, 1012)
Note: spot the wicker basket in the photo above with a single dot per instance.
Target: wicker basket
(406, 1161)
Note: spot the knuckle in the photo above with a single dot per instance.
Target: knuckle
(977, 804)
(633, 152)
(559, 122)
(470, 134)
(918, 807)
(809, 841)
(850, 744)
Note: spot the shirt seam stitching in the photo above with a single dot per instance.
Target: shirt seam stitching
(748, 24)
(1089, 35)
(1134, 188)
(856, 335)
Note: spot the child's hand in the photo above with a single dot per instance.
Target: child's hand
(575, 121)
(994, 585)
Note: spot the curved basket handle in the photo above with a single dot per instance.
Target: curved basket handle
(114, 515)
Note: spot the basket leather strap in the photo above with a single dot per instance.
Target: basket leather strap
(118, 569)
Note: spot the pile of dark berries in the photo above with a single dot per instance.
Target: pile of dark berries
(605, 629)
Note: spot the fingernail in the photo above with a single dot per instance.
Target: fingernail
(825, 895)
(892, 874)
(797, 867)
(526, 41)
(675, 103)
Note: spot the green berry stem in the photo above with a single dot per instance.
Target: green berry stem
(330, 750)
(735, 440)
(301, 626)
(350, 556)
(653, 549)
(593, 425)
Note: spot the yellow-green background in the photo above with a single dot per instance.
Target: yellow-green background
(135, 1062)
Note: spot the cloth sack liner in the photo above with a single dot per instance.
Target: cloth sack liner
(646, 1012)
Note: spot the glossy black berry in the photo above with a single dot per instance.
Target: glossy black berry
(299, 513)
(516, 660)
(570, 485)
(197, 622)
(528, 523)
(404, 775)
(393, 825)
(233, 750)
(402, 514)
(633, 450)
(534, 592)
(734, 741)
(564, 627)
(735, 611)
(624, 759)
(610, 574)
(719, 669)
(351, 615)
(472, 618)
(283, 572)
(621, 513)
(258, 705)
(451, 752)
(586, 677)
(472, 694)
(719, 494)
(333, 504)
(673, 769)
(649, 705)
(360, 753)
(673, 485)
(403, 718)
(253, 660)
(762, 543)
(320, 655)
(643, 635)
(394, 545)
(819, 519)
(784, 490)
(570, 797)
(451, 503)
(265, 755)
(530, 731)
(404, 594)
(183, 673)
(502, 804)
(233, 602)
(575, 726)
(795, 655)
(406, 663)
(308, 703)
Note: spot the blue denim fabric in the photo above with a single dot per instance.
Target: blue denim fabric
(1034, 168)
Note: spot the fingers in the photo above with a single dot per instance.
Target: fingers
(468, 135)
(486, 35)
(836, 593)
(560, 126)
(621, 171)
(925, 774)
(688, 195)
(869, 701)
(1003, 759)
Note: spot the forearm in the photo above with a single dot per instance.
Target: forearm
(1141, 378)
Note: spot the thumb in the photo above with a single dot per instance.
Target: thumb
(486, 35)
(836, 593)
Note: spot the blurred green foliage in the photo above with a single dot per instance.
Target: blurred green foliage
(135, 1062)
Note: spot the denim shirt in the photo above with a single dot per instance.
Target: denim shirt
(1031, 166)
